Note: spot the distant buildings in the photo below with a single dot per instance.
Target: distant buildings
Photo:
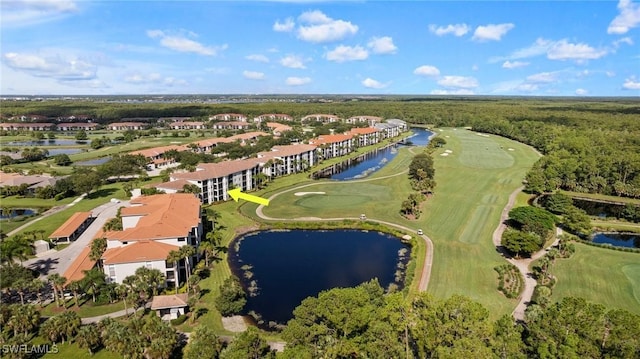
(124, 126)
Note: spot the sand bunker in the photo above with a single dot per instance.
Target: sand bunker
(510, 149)
(448, 151)
(306, 193)
(444, 154)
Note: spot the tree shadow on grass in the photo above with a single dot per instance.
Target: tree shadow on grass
(103, 192)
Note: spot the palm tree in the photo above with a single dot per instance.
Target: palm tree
(98, 246)
(37, 285)
(24, 319)
(17, 246)
(89, 338)
(75, 287)
(92, 282)
(122, 291)
(149, 279)
(69, 323)
(187, 252)
(51, 329)
(21, 286)
(57, 282)
(174, 257)
(208, 249)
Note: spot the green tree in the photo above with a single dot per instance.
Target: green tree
(203, 343)
(577, 221)
(521, 243)
(533, 219)
(62, 159)
(92, 282)
(507, 339)
(232, 298)
(558, 203)
(81, 135)
(23, 320)
(98, 247)
(57, 284)
(248, 345)
(89, 338)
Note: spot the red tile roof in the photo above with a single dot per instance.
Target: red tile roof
(158, 151)
(70, 226)
(363, 131)
(332, 139)
(159, 217)
(141, 251)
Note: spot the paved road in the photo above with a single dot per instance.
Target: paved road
(58, 261)
(425, 275)
(522, 264)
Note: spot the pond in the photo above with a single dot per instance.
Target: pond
(17, 212)
(66, 151)
(54, 142)
(370, 162)
(281, 268)
(628, 240)
(95, 162)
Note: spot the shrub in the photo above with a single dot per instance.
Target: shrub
(179, 320)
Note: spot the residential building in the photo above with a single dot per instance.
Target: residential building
(27, 126)
(391, 128)
(324, 118)
(228, 117)
(170, 306)
(124, 126)
(152, 227)
(287, 159)
(187, 125)
(32, 182)
(156, 155)
(231, 125)
(273, 117)
(76, 126)
(278, 128)
(330, 146)
(370, 120)
(365, 136)
(216, 179)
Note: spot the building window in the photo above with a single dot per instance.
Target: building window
(182, 239)
(168, 264)
(147, 264)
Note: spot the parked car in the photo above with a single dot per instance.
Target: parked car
(420, 232)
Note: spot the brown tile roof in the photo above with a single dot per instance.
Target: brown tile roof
(70, 226)
(213, 141)
(141, 251)
(186, 123)
(169, 301)
(248, 135)
(278, 126)
(216, 170)
(129, 124)
(77, 124)
(162, 216)
(82, 263)
(288, 150)
(233, 123)
(157, 151)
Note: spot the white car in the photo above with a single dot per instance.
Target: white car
(419, 232)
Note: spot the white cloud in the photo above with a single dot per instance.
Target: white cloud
(153, 78)
(344, 53)
(373, 84)
(427, 70)
(297, 81)
(628, 18)
(514, 65)
(457, 29)
(458, 82)
(29, 12)
(610, 74)
(218, 70)
(544, 77)
(292, 61)
(257, 58)
(285, 26)
(320, 28)
(491, 32)
(253, 75)
(179, 42)
(539, 47)
(56, 66)
(564, 50)
(382, 45)
(452, 92)
(526, 87)
(625, 40)
(581, 92)
(475, 67)
(631, 84)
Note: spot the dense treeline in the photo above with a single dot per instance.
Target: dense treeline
(589, 145)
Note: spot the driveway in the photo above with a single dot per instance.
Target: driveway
(58, 261)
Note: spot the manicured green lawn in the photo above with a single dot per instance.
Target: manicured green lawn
(474, 183)
(602, 197)
(600, 275)
(86, 310)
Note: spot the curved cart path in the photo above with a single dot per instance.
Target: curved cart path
(428, 260)
(522, 264)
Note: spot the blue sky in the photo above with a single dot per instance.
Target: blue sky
(547, 48)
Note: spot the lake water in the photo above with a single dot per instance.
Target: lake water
(370, 162)
(96, 162)
(618, 239)
(54, 142)
(289, 266)
(66, 151)
(17, 212)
